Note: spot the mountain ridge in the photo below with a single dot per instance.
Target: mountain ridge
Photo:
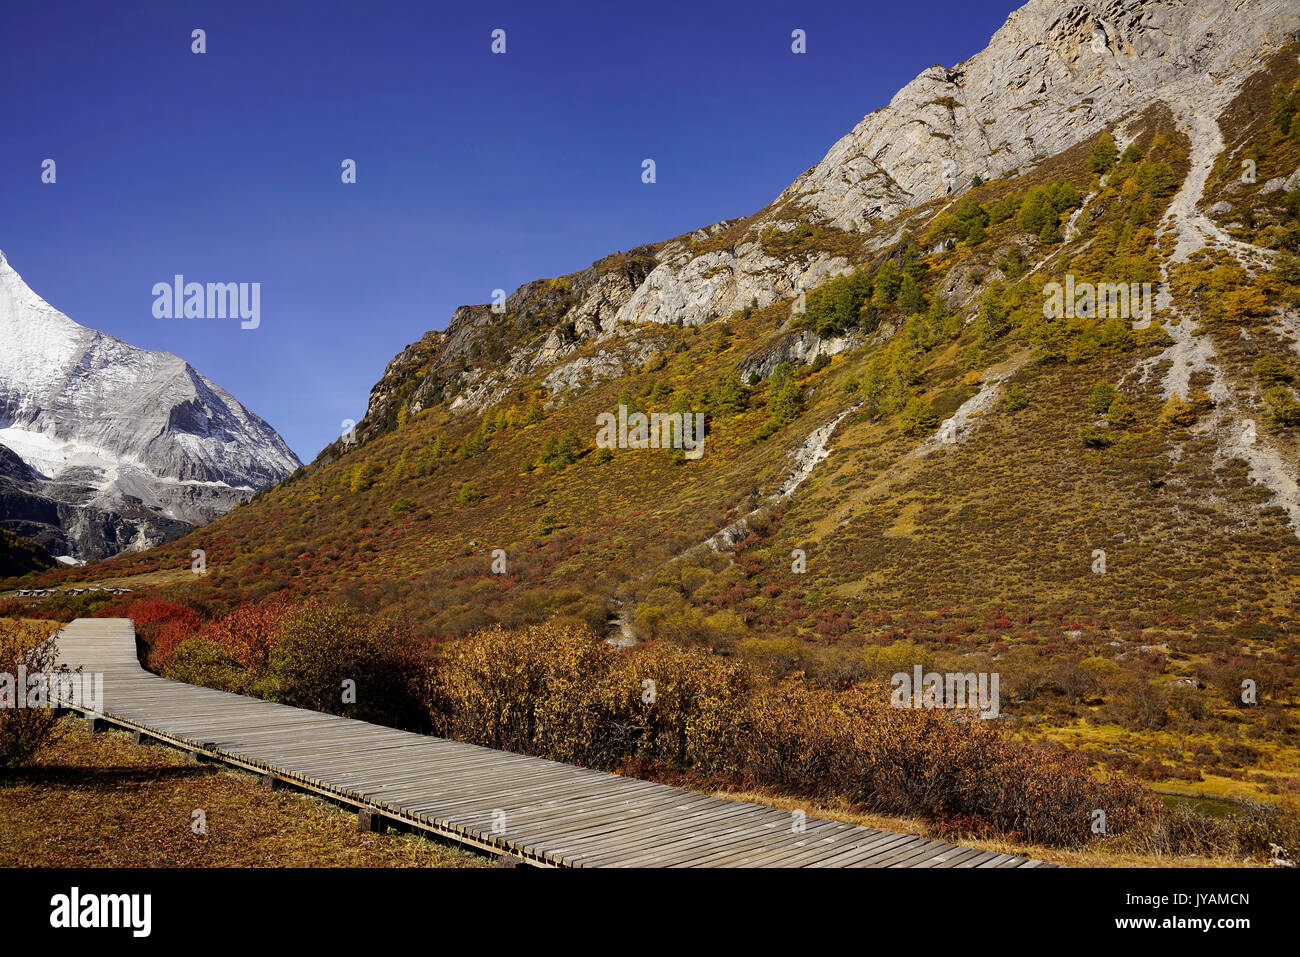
(979, 484)
(136, 433)
(730, 265)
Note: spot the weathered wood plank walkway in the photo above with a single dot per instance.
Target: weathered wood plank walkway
(542, 811)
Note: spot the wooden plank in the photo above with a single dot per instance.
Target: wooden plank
(553, 812)
(646, 844)
(869, 850)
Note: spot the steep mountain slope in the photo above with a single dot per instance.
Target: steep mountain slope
(909, 454)
(1054, 74)
(104, 446)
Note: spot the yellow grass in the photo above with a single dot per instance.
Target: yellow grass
(1069, 858)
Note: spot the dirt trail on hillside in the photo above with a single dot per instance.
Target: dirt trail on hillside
(958, 425)
(1196, 109)
(814, 451)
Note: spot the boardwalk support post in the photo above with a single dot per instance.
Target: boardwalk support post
(370, 821)
(95, 724)
(140, 738)
(270, 782)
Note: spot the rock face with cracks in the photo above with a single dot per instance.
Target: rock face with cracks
(1053, 76)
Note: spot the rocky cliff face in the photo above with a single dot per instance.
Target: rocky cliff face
(104, 446)
(1052, 77)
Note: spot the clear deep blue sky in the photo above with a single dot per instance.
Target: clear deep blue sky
(474, 171)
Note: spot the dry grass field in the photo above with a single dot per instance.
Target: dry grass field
(102, 801)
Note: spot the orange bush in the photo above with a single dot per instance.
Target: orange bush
(25, 731)
(557, 691)
(248, 632)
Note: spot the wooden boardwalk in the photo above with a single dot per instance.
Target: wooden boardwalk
(544, 812)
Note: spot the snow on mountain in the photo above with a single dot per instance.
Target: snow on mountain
(138, 442)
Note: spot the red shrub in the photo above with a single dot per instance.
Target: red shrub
(248, 632)
(166, 636)
(161, 624)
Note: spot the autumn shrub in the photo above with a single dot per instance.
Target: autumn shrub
(780, 655)
(160, 624)
(247, 633)
(1271, 371)
(967, 775)
(535, 695)
(198, 661)
(1283, 407)
(559, 692)
(339, 659)
(1256, 826)
(837, 665)
(1095, 438)
(684, 704)
(790, 737)
(1103, 394)
(165, 636)
(1143, 704)
(917, 416)
(1120, 414)
(24, 731)
(676, 621)
(1178, 411)
(1246, 828)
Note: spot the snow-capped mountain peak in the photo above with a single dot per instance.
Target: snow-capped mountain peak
(107, 424)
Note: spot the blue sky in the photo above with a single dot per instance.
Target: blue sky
(474, 171)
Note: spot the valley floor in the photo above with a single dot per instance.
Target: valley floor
(102, 801)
